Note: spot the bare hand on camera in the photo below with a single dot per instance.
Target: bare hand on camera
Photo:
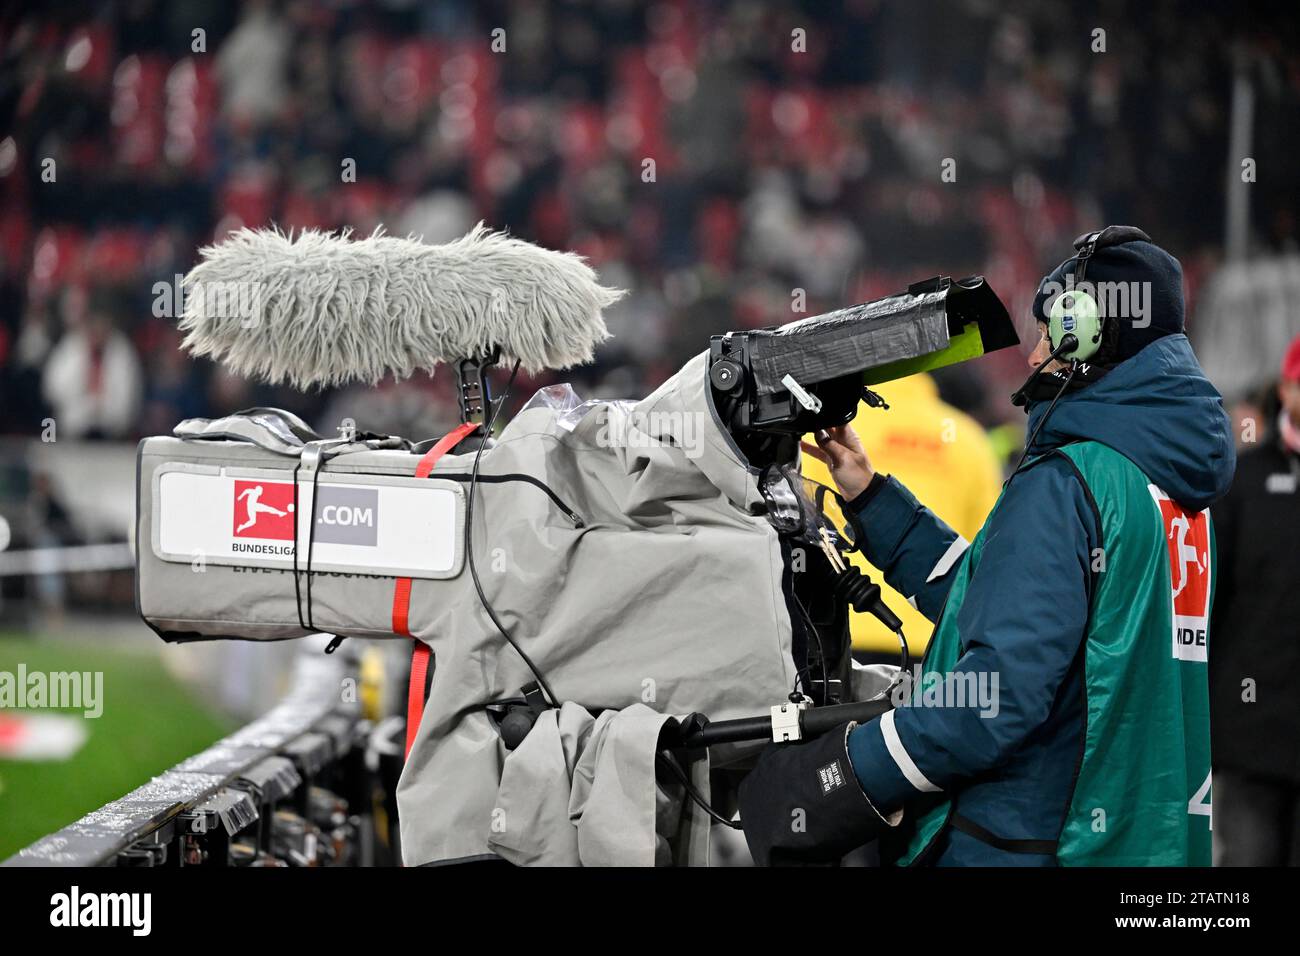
(841, 451)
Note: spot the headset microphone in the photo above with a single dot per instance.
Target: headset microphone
(1069, 343)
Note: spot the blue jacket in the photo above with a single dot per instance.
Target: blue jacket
(1026, 609)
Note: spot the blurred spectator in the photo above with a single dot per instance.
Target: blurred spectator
(50, 526)
(1254, 654)
(92, 379)
(253, 65)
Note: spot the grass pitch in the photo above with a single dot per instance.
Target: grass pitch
(149, 723)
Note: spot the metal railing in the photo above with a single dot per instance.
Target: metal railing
(296, 787)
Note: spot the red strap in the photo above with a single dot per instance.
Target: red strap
(402, 597)
(444, 444)
(402, 607)
(415, 691)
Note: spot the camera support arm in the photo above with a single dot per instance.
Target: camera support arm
(787, 722)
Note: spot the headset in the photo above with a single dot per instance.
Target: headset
(1075, 311)
(1077, 330)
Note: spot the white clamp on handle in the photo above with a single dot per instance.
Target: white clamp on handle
(787, 724)
(801, 394)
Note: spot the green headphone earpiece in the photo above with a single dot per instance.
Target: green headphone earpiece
(1075, 312)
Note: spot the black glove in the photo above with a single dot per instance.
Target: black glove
(802, 804)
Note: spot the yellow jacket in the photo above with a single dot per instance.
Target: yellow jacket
(944, 458)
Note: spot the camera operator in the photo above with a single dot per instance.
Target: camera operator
(1083, 602)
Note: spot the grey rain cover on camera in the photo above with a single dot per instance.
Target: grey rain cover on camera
(668, 595)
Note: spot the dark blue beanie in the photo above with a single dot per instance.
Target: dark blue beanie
(1153, 281)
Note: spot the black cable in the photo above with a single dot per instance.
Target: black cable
(798, 679)
(309, 624)
(1029, 443)
(906, 654)
(821, 654)
(664, 759)
(904, 651)
(311, 537)
(490, 420)
(297, 516)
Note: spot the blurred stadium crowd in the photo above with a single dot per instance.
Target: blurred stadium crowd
(134, 132)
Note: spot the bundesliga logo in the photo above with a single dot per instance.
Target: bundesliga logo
(1187, 539)
(264, 509)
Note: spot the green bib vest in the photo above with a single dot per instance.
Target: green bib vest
(1142, 792)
